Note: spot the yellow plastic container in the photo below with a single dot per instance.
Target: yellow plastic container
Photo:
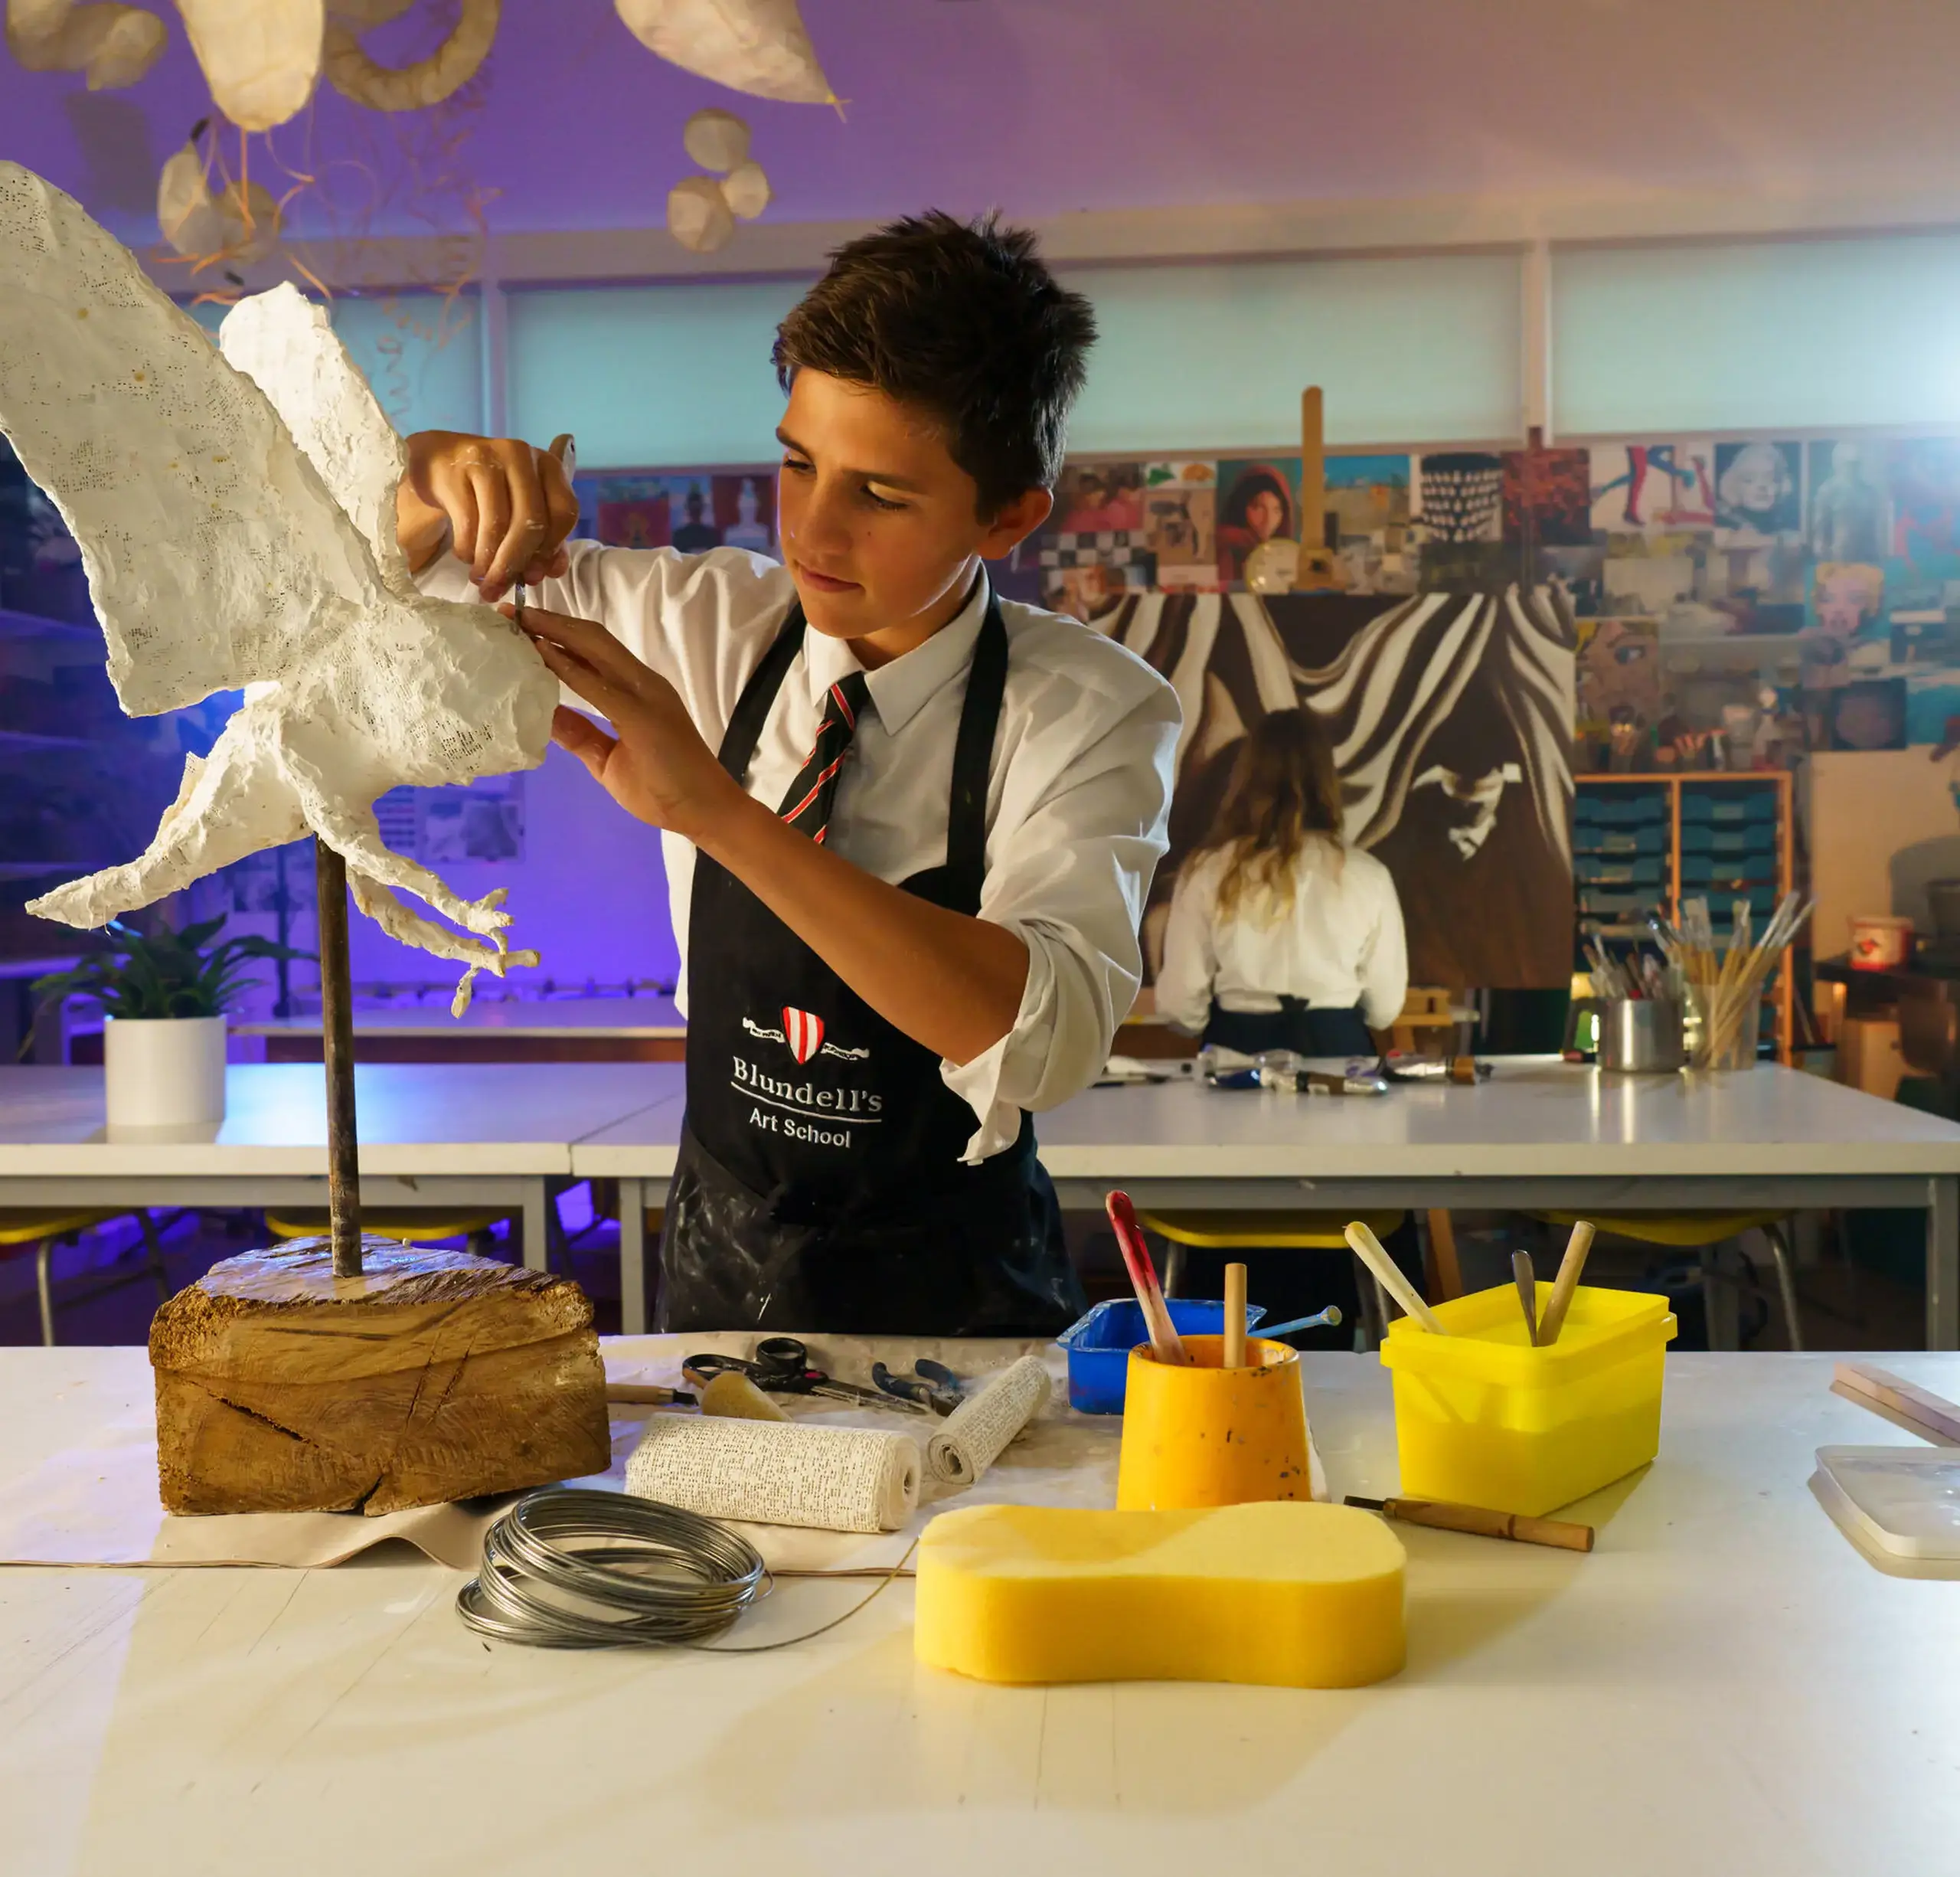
(1485, 1419)
(1210, 1436)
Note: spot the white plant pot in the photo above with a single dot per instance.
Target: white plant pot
(163, 1071)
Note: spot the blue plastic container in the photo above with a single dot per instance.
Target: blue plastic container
(1099, 1344)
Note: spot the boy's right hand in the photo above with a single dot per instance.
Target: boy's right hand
(507, 507)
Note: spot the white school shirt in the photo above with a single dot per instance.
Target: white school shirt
(1076, 801)
(1339, 944)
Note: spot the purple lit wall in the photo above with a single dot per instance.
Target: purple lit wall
(1045, 107)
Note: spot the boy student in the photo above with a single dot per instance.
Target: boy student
(909, 827)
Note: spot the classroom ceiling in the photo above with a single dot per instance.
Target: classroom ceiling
(1047, 106)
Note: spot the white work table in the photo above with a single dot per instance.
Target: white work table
(491, 1030)
(1540, 1133)
(432, 1134)
(1725, 1685)
(650, 1015)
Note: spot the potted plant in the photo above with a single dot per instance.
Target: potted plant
(164, 995)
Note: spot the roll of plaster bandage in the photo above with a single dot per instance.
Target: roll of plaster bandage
(978, 1431)
(836, 1479)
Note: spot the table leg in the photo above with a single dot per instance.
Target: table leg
(633, 1257)
(537, 1208)
(1943, 1264)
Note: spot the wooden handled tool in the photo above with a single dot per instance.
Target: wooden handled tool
(1481, 1523)
(647, 1394)
(1165, 1344)
(1315, 570)
(1933, 1416)
(1368, 1248)
(1235, 1317)
(1570, 1267)
(1527, 1281)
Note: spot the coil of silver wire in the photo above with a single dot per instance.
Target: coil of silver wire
(568, 1568)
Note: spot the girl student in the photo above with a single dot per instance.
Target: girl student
(1283, 936)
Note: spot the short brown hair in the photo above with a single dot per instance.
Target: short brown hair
(1285, 791)
(961, 320)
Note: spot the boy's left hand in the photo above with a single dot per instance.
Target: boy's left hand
(657, 767)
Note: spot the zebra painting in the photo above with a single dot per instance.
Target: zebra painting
(1451, 716)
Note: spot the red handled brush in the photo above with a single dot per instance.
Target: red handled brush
(1165, 1343)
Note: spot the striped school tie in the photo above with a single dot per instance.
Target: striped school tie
(807, 804)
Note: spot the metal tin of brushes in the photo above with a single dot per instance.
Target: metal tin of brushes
(1641, 1035)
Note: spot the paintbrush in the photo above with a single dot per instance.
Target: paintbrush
(1165, 1344)
(1329, 1319)
(1527, 1281)
(1235, 1317)
(1368, 1248)
(1570, 1265)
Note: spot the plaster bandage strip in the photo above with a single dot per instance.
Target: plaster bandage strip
(976, 1432)
(836, 1479)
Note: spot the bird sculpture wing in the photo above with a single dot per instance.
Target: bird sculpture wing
(235, 514)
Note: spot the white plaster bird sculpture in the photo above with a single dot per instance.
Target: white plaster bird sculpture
(236, 517)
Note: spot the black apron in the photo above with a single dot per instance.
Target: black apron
(1295, 1025)
(819, 1185)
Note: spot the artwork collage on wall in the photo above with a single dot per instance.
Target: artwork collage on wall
(1739, 602)
(1716, 603)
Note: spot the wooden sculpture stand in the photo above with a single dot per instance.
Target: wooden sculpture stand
(341, 1374)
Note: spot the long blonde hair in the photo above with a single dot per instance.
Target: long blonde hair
(1284, 793)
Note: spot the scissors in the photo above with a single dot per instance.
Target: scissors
(783, 1367)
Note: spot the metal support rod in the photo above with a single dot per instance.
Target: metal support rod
(337, 1050)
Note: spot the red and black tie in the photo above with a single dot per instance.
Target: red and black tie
(807, 804)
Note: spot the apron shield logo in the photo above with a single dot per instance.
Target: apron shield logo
(803, 1032)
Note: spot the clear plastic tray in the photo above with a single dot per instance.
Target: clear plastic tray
(1904, 1501)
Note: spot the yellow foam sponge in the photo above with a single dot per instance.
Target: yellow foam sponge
(1285, 1592)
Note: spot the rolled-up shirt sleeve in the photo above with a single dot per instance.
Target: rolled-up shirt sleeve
(1069, 876)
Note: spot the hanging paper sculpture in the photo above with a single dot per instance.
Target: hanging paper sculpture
(716, 139)
(259, 56)
(745, 191)
(236, 516)
(113, 45)
(701, 210)
(697, 217)
(428, 81)
(760, 46)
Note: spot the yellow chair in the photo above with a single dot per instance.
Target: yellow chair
(409, 1226)
(22, 1226)
(1703, 1231)
(1289, 1230)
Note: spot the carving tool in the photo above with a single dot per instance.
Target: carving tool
(1570, 1265)
(1368, 1248)
(1480, 1523)
(1235, 1317)
(1165, 1344)
(647, 1395)
(1527, 1281)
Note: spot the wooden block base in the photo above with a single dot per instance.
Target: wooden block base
(434, 1375)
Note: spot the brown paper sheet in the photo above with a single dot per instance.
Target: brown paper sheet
(94, 1502)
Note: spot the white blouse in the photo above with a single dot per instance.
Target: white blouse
(1076, 801)
(1340, 943)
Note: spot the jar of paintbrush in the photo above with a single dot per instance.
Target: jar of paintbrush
(1726, 985)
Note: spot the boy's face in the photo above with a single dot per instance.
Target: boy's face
(878, 524)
